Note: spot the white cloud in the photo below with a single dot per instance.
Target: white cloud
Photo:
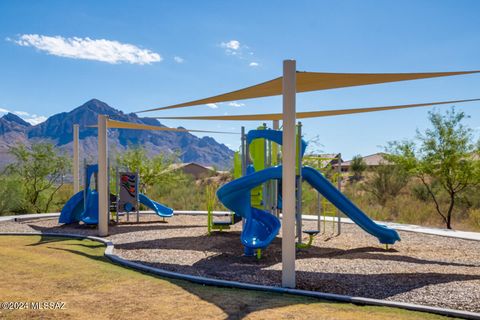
(178, 59)
(212, 105)
(89, 49)
(31, 118)
(236, 104)
(35, 119)
(241, 51)
(231, 45)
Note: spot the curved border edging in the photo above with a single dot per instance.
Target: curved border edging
(248, 286)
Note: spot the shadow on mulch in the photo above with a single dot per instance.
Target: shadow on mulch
(228, 243)
(113, 229)
(377, 286)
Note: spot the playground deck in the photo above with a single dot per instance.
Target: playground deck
(421, 269)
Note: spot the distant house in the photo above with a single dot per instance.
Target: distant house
(372, 161)
(194, 169)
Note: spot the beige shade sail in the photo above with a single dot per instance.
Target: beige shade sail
(317, 114)
(114, 124)
(313, 81)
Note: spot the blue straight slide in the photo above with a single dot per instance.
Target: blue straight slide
(321, 184)
(261, 227)
(158, 208)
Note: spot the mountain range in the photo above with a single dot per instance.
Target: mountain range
(58, 129)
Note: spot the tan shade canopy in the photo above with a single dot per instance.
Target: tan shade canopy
(313, 81)
(316, 114)
(114, 124)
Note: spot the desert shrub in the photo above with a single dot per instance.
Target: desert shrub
(474, 219)
(420, 192)
(357, 166)
(385, 182)
(12, 195)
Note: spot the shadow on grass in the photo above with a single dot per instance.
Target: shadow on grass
(237, 303)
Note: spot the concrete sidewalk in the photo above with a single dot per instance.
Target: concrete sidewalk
(467, 235)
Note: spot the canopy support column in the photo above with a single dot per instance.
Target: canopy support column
(102, 176)
(288, 174)
(76, 159)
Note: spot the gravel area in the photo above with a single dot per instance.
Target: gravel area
(422, 269)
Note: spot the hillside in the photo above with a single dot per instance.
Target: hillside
(58, 129)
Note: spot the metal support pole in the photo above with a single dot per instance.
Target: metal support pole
(244, 160)
(76, 159)
(117, 191)
(299, 184)
(265, 193)
(275, 126)
(339, 186)
(244, 154)
(137, 185)
(319, 210)
(102, 176)
(288, 173)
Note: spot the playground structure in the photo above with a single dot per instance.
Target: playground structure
(291, 82)
(250, 195)
(83, 205)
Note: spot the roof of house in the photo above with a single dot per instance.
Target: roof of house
(375, 159)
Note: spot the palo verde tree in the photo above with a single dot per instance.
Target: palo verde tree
(41, 169)
(155, 170)
(443, 158)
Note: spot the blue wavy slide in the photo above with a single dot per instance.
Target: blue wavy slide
(261, 227)
(158, 208)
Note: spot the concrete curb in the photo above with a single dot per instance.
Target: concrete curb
(247, 286)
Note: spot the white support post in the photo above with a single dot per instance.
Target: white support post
(102, 176)
(288, 174)
(76, 159)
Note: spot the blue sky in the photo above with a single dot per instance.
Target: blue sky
(136, 55)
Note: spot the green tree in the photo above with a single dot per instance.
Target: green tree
(41, 170)
(443, 156)
(154, 170)
(357, 166)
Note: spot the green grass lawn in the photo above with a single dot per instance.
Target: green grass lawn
(75, 272)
